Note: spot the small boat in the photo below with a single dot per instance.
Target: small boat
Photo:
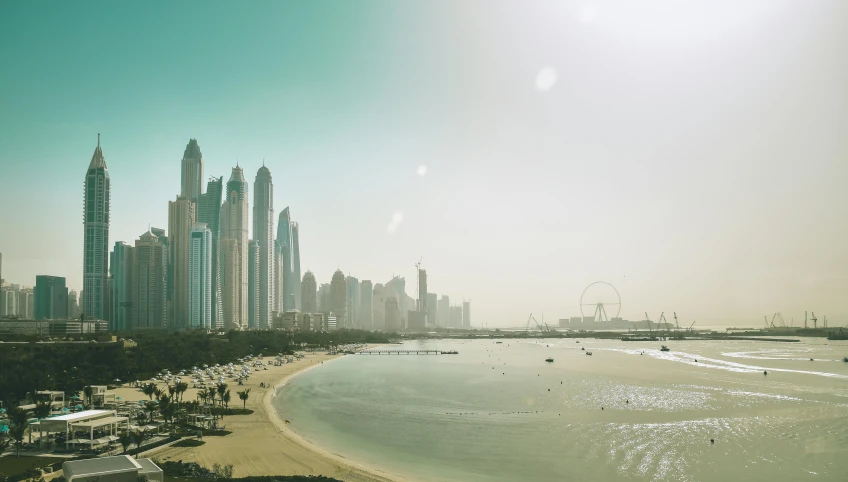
(498, 342)
(845, 359)
(589, 353)
(665, 348)
(549, 360)
(583, 348)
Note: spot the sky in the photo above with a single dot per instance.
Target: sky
(691, 153)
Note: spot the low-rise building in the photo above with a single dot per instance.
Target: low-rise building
(120, 468)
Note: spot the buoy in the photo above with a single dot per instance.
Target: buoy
(765, 373)
(602, 408)
(628, 401)
(549, 389)
(712, 440)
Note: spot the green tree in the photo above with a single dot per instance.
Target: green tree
(125, 439)
(4, 443)
(138, 438)
(42, 409)
(226, 398)
(88, 394)
(150, 407)
(221, 389)
(243, 396)
(18, 419)
(149, 389)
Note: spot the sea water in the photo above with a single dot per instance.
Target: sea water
(500, 412)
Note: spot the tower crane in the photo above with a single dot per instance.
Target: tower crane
(677, 323)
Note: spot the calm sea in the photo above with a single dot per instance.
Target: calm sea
(500, 412)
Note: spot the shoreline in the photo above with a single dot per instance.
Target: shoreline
(260, 443)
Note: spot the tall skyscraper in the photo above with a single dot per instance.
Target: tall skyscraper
(444, 315)
(253, 286)
(263, 233)
(432, 309)
(466, 315)
(309, 293)
(422, 291)
(10, 302)
(51, 298)
(397, 287)
(181, 217)
(192, 172)
(338, 295)
(392, 315)
(149, 281)
(285, 282)
(26, 304)
(325, 299)
(120, 267)
(73, 305)
(96, 235)
(200, 278)
(366, 305)
(234, 255)
(295, 231)
(2, 300)
(352, 302)
(209, 213)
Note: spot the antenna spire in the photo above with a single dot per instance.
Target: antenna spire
(98, 139)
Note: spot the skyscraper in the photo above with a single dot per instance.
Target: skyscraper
(338, 295)
(253, 286)
(209, 213)
(352, 302)
(285, 282)
(392, 315)
(51, 298)
(234, 259)
(192, 172)
(120, 267)
(366, 305)
(149, 281)
(181, 217)
(73, 305)
(263, 233)
(444, 315)
(422, 291)
(295, 231)
(466, 315)
(26, 303)
(200, 278)
(309, 293)
(96, 235)
(397, 287)
(325, 299)
(432, 309)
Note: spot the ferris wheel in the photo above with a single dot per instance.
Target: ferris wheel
(600, 295)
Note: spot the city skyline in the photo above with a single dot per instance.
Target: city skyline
(723, 203)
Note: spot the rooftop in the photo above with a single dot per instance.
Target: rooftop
(99, 466)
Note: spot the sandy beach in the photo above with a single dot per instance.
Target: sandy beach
(261, 443)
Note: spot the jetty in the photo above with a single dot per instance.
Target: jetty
(407, 352)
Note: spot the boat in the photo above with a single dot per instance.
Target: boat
(583, 349)
(845, 359)
(589, 353)
(450, 353)
(665, 348)
(498, 342)
(549, 360)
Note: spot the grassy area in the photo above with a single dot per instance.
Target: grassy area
(188, 442)
(216, 433)
(11, 465)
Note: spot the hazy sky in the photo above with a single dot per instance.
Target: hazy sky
(692, 153)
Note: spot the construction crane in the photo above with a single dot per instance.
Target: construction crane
(765, 320)
(677, 323)
(690, 326)
(529, 319)
(814, 319)
(649, 322)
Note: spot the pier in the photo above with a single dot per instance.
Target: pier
(406, 352)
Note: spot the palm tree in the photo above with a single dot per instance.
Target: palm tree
(222, 388)
(172, 389)
(138, 437)
(243, 396)
(148, 389)
(181, 388)
(88, 393)
(150, 408)
(42, 409)
(125, 439)
(18, 419)
(4, 443)
(227, 398)
(157, 391)
(211, 396)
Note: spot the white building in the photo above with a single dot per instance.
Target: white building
(120, 468)
(200, 277)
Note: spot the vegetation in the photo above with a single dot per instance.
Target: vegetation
(18, 427)
(189, 442)
(25, 368)
(243, 397)
(188, 470)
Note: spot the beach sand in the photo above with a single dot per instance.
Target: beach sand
(261, 443)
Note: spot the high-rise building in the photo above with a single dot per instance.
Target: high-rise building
(285, 281)
(456, 316)
(96, 235)
(200, 277)
(10, 300)
(444, 315)
(209, 213)
(325, 298)
(263, 233)
(73, 305)
(120, 268)
(392, 315)
(353, 300)
(432, 309)
(2, 300)
(378, 305)
(233, 247)
(51, 298)
(253, 321)
(192, 172)
(181, 217)
(397, 287)
(466, 315)
(422, 292)
(149, 283)
(309, 294)
(26, 303)
(366, 305)
(338, 295)
(295, 230)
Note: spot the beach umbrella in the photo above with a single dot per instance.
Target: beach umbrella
(2, 410)
(119, 398)
(117, 380)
